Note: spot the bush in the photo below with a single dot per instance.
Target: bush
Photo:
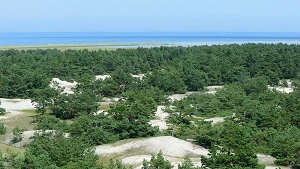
(2, 129)
(2, 111)
(17, 132)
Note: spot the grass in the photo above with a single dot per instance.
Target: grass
(4, 148)
(104, 106)
(24, 121)
(29, 111)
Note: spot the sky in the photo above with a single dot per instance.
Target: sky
(149, 16)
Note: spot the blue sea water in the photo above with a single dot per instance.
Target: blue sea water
(171, 38)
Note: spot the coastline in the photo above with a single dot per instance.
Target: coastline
(114, 46)
(115, 40)
(85, 46)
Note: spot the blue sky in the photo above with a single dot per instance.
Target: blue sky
(149, 16)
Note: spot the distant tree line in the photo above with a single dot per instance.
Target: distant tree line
(171, 69)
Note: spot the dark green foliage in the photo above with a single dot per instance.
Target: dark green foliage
(2, 110)
(254, 85)
(50, 122)
(2, 129)
(187, 164)
(173, 69)
(195, 79)
(157, 162)
(115, 165)
(66, 106)
(96, 129)
(17, 134)
(235, 150)
(54, 150)
(167, 80)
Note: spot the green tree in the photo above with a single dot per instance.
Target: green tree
(17, 135)
(2, 110)
(55, 150)
(236, 150)
(187, 164)
(157, 162)
(2, 129)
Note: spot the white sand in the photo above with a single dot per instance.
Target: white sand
(180, 96)
(139, 76)
(135, 151)
(265, 159)
(67, 85)
(102, 77)
(213, 89)
(14, 107)
(276, 167)
(26, 137)
(170, 146)
(215, 120)
(174, 150)
(282, 89)
(161, 118)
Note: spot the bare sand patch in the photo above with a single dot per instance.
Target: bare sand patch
(65, 84)
(14, 107)
(215, 120)
(139, 76)
(180, 96)
(133, 152)
(282, 89)
(213, 89)
(161, 118)
(265, 159)
(276, 167)
(170, 146)
(26, 137)
(136, 150)
(102, 77)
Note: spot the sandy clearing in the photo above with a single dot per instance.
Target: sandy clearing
(139, 76)
(265, 159)
(14, 107)
(174, 147)
(180, 96)
(215, 120)
(211, 90)
(282, 89)
(102, 77)
(115, 99)
(67, 85)
(276, 167)
(26, 137)
(214, 88)
(161, 118)
(138, 159)
(174, 150)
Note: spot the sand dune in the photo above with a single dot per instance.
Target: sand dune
(174, 147)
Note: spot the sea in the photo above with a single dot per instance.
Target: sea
(140, 39)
